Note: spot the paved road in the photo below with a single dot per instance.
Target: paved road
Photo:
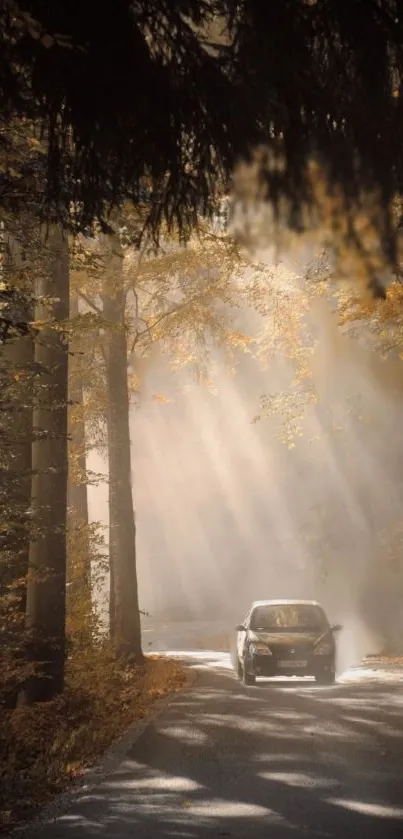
(287, 760)
(189, 635)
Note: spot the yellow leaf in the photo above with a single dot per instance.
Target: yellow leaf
(159, 397)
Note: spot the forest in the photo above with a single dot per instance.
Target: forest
(143, 227)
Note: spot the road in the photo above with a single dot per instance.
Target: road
(188, 636)
(287, 760)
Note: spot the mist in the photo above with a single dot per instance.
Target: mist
(226, 513)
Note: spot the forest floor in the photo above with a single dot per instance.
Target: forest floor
(388, 662)
(45, 748)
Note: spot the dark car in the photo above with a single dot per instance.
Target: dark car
(286, 638)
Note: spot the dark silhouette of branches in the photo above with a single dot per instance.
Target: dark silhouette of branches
(154, 101)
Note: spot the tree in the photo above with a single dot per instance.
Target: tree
(327, 90)
(99, 277)
(341, 399)
(79, 542)
(16, 373)
(46, 590)
(176, 162)
(125, 623)
(178, 299)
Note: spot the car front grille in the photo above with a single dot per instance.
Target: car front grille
(300, 651)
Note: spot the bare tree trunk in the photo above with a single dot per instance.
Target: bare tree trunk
(112, 630)
(126, 626)
(19, 356)
(46, 590)
(17, 359)
(79, 560)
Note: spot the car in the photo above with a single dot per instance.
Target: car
(286, 638)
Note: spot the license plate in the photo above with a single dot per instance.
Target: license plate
(292, 664)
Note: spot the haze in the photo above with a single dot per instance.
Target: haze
(226, 512)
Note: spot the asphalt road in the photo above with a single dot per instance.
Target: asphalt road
(283, 760)
(189, 635)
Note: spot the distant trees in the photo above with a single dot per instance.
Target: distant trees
(338, 411)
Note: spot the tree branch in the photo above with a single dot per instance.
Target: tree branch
(102, 349)
(136, 334)
(90, 303)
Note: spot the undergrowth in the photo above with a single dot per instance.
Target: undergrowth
(46, 746)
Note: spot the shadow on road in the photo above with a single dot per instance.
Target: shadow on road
(279, 759)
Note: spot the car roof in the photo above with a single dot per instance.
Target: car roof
(285, 603)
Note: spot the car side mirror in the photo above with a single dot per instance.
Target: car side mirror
(240, 628)
(337, 627)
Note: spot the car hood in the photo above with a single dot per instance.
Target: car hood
(286, 639)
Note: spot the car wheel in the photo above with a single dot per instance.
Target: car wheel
(325, 678)
(247, 678)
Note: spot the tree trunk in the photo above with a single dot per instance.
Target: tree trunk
(111, 589)
(46, 592)
(17, 358)
(79, 559)
(126, 626)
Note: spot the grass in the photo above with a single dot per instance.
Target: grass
(45, 747)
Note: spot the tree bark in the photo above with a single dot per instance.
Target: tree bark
(17, 358)
(125, 625)
(46, 591)
(79, 560)
(111, 588)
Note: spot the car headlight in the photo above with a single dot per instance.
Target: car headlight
(325, 648)
(259, 649)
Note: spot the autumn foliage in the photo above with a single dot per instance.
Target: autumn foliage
(70, 662)
(48, 746)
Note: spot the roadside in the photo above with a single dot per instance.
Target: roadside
(185, 635)
(285, 758)
(219, 636)
(225, 642)
(46, 748)
(219, 643)
(384, 662)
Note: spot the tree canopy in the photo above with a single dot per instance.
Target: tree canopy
(130, 101)
(157, 99)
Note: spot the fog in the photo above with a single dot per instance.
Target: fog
(226, 513)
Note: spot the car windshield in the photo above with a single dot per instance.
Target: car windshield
(295, 616)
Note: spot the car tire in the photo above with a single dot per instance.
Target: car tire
(247, 678)
(325, 678)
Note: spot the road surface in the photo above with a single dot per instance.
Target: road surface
(287, 760)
